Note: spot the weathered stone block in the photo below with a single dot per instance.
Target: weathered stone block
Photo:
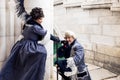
(89, 61)
(89, 54)
(94, 47)
(83, 38)
(99, 57)
(93, 4)
(87, 46)
(115, 20)
(59, 10)
(115, 6)
(78, 12)
(114, 61)
(107, 59)
(109, 50)
(100, 64)
(111, 30)
(117, 41)
(92, 29)
(100, 39)
(100, 12)
(116, 13)
(86, 20)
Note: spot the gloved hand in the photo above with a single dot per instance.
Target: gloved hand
(54, 38)
(71, 64)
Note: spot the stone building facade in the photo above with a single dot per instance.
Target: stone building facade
(11, 27)
(97, 26)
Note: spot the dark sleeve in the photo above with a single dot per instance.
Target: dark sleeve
(40, 31)
(79, 54)
(54, 38)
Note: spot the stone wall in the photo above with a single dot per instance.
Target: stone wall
(7, 37)
(97, 26)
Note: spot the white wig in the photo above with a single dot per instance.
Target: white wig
(69, 33)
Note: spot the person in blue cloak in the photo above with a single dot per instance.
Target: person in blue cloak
(27, 58)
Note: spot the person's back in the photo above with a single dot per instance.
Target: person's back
(34, 32)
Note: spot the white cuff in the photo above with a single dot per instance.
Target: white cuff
(71, 64)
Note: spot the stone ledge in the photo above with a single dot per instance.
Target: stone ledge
(58, 2)
(93, 5)
(115, 7)
(72, 5)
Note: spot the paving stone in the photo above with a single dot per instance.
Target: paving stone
(92, 67)
(118, 78)
(97, 73)
(101, 74)
(115, 78)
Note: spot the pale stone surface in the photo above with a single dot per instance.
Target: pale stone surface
(92, 67)
(85, 20)
(98, 63)
(93, 27)
(116, 13)
(73, 12)
(18, 26)
(85, 29)
(108, 50)
(87, 46)
(117, 41)
(95, 5)
(99, 57)
(118, 78)
(2, 48)
(111, 30)
(112, 20)
(100, 12)
(114, 61)
(9, 44)
(61, 10)
(100, 74)
(89, 54)
(83, 38)
(2, 30)
(115, 6)
(105, 40)
(111, 79)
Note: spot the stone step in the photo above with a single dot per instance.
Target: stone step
(98, 73)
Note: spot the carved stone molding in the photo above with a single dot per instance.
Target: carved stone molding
(93, 5)
(115, 6)
(58, 2)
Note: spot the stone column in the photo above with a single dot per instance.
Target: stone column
(2, 31)
(47, 24)
(10, 25)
